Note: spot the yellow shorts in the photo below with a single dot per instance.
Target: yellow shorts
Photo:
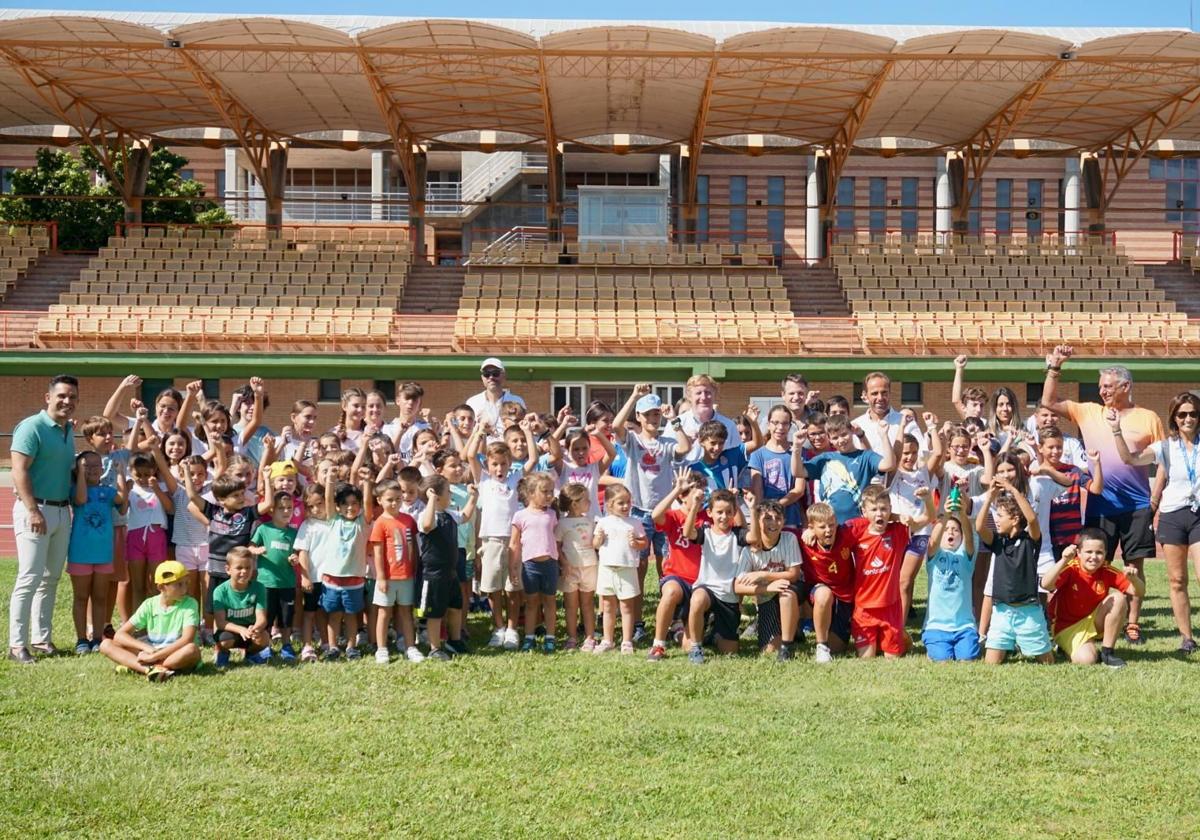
(1072, 638)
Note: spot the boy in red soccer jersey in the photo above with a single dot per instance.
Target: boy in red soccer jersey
(682, 563)
(1091, 600)
(828, 571)
(877, 623)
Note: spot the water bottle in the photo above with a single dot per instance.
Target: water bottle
(954, 503)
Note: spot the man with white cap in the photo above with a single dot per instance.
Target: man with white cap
(486, 404)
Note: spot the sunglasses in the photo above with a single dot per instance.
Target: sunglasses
(1184, 414)
(491, 373)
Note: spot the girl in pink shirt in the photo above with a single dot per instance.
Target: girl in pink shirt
(533, 541)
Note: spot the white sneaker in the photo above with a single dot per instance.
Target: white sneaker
(511, 639)
(751, 630)
(497, 638)
(823, 655)
(414, 655)
(381, 656)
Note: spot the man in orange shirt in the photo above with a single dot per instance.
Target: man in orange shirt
(1122, 512)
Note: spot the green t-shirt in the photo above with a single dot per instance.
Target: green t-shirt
(239, 607)
(164, 625)
(52, 450)
(274, 568)
(466, 531)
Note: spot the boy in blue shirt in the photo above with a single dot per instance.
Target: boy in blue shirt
(950, 633)
(846, 471)
(722, 467)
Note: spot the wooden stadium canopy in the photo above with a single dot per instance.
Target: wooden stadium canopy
(267, 82)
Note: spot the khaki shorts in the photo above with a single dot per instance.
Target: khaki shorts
(576, 578)
(621, 581)
(494, 572)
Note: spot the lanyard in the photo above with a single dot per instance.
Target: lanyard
(1189, 464)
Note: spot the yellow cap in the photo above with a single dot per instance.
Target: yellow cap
(170, 571)
(282, 468)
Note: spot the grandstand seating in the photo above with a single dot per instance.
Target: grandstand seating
(341, 285)
(630, 254)
(1003, 294)
(525, 303)
(19, 248)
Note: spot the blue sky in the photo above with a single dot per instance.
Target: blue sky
(1172, 13)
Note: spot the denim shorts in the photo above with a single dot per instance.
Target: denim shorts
(944, 646)
(658, 539)
(341, 600)
(540, 577)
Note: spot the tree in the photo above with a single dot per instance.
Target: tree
(89, 217)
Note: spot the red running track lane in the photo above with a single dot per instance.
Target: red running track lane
(8, 545)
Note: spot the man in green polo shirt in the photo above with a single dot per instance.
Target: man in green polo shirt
(43, 451)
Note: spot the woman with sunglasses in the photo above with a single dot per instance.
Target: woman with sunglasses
(1178, 502)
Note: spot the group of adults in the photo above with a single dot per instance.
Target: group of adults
(1128, 437)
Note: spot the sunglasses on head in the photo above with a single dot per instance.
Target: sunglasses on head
(491, 373)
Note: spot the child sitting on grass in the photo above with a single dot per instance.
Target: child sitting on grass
(720, 556)
(240, 608)
(828, 569)
(1091, 600)
(771, 573)
(1017, 619)
(682, 563)
(950, 632)
(169, 619)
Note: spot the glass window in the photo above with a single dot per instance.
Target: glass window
(6, 179)
(737, 208)
(1174, 201)
(1033, 393)
(329, 390)
(845, 201)
(1191, 169)
(1157, 170)
(1174, 168)
(909, 215)
(877, 197)
(975, 214)
(702, 208)
(1033, 200)
(910, 393)
(387, 387)
(187, 175)
(151, 388)
(1089, 392)
(775, 218)
(1003, 203)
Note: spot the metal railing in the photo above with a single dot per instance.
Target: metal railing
(506, 248)
(497, 170)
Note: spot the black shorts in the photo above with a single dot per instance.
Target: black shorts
(238, 641)
(726, 616)
(281, 606)
(215, 579)
(770, 624)
(1132, 531)
(460, 568)
(839, 622)
(312, 598)
(439, 594)
(1179, 527)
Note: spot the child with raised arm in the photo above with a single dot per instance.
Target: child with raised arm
(114, 464)
(150, 503)
(1091, 600)
(90, 550)
(846, 472)
(828, 570)
(1065, 513)
(911, 475)
(619, 538)
(720, 544)
(437, 539)
(343, 562)
(575, 469)
(969, 402)
(240, 609)
(1017, 620)
(721, 468)
(230, 522)
(451, 467)
(771, 573)
(169, 620)
(533, 541)
(682, 563)
(393, 545)
(950, 632)
(500, 577)
(579, 565)
(273, 543)
(880, 541)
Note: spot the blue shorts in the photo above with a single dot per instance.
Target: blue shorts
(681, 611)
(1019, 626)
(658, 539)
(540, 577)
(918, 545)
(341, 600)
(944, 646)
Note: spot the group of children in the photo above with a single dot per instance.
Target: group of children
(385, 535)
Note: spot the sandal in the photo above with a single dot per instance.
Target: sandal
(158, 674)
(1133, 634)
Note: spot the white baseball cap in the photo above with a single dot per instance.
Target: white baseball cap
(492, 361)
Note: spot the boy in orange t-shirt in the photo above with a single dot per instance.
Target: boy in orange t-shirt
(1091, 600)
(393, 548)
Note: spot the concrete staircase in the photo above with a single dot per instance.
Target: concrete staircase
(1181, 284)
(49, 277)
(433, 289)
(814, 292)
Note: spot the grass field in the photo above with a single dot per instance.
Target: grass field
(504, 745)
